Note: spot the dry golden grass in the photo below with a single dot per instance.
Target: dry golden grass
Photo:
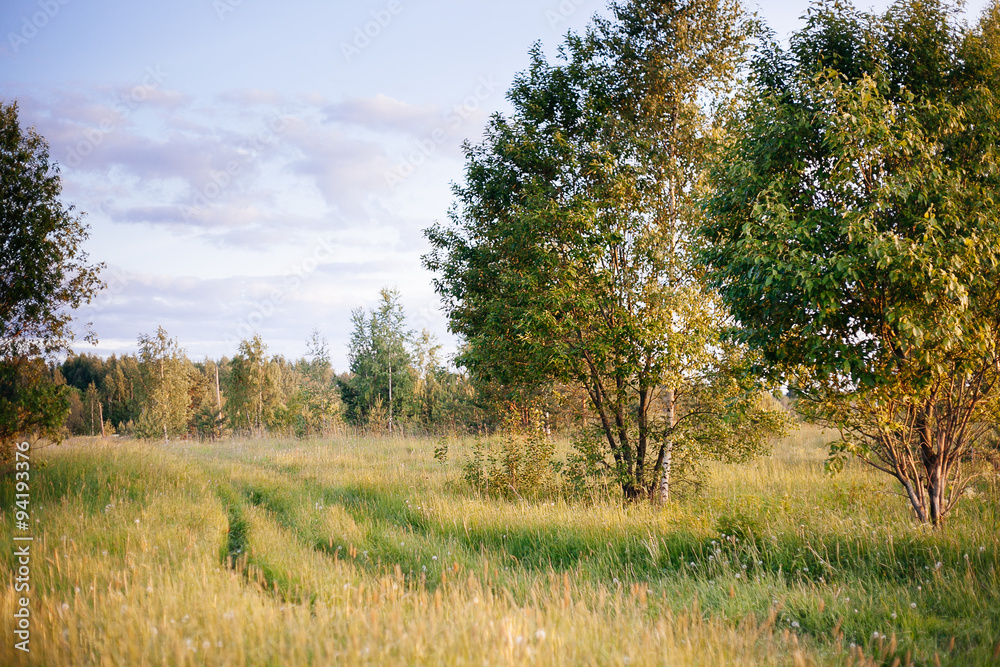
(367, 551)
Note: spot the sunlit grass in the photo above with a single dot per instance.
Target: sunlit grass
(367, 550)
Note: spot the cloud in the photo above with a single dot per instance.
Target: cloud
(385, 113)
(210, 316)
(252, 170)
(251, 97)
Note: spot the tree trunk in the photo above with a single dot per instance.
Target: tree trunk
(668, 449)
(218, 397)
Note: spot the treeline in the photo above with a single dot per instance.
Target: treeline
(396, 381)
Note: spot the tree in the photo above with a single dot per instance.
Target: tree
(381, 366)
(568, 255)
(316, 392)
(44, 272)
(33, 403)
(854, 234)
(163, 387)
(252, 391)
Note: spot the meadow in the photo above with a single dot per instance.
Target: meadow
(367, 550)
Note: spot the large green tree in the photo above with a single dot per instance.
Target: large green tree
(568, 256)
(854, 233)
(44, 275)
(44, 271)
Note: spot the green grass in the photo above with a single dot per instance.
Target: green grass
(367, 550)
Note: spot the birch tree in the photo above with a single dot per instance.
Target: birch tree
(568, 254)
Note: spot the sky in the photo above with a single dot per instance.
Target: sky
(254, 166)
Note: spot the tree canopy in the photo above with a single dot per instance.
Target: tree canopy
(44, 271)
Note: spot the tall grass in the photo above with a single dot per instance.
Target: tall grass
(367, 550)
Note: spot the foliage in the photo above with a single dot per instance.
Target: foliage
(162, 391)
(567, 259)
(517, 461)
(380, 361)
(253, 397)
(44, 272)
(314, 404)
(853, 232)
(33, 404)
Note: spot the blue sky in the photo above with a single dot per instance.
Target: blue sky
(252, 165)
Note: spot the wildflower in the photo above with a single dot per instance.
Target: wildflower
(65, 606)
(795, 624)
(434, 557)
(913, 605)
(875, 635)
(539, 634)
(893, 614)
(137, 521)
(982, 549)
(937, 565)
(737, 575)
(206, 644)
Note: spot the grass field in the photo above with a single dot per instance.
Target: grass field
(366, 550)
